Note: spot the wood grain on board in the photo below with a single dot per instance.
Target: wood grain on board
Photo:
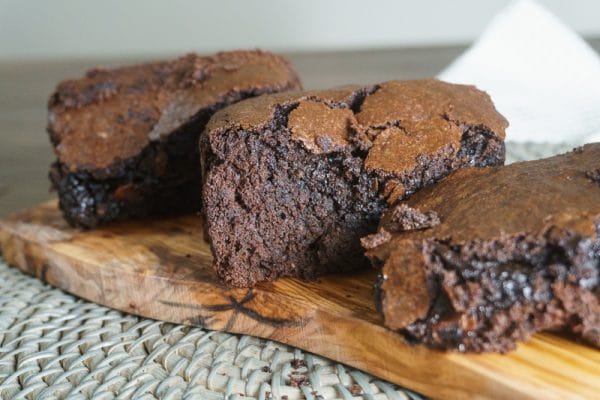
(161, 268)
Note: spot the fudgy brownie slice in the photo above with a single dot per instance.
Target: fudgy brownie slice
(126, 139)
(488, 256)
(292, 181)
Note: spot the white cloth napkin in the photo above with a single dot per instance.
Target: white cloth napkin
(541, 75)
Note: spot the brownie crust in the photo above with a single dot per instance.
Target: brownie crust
(487, 257)
(126, 139)
(292, 181)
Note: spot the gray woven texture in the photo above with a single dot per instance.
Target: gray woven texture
(54, 346)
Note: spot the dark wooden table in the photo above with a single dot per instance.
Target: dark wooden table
(25, 153)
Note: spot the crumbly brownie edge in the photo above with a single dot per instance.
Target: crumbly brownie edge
(548, 281)
(160, 180)
(292, 180)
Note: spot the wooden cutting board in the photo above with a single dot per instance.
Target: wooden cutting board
(161, 268)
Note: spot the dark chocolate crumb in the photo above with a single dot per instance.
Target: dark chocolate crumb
(297, 380)
(376, 239)
(405, 218)
(355, 389)
(594, 175)
(297, 363)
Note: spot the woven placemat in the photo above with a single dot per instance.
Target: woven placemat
(54, 346)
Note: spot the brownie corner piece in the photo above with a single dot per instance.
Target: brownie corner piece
(464, 266)
(126, 139)
(292, 181)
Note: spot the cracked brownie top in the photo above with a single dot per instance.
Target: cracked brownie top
(111, 115)
(396, 126)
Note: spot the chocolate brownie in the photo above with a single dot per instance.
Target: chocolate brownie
(489, 256)
(126, 139)
(292, 181)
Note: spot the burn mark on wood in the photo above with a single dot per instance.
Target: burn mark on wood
(238, 307)
(199, 320)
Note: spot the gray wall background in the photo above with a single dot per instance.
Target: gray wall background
(40, 29)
